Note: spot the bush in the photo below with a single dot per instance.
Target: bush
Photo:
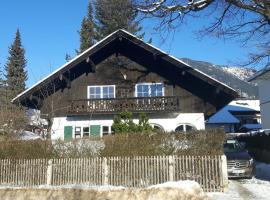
(150, 144)
(128, 144)
(123, 123)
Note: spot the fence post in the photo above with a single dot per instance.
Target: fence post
(171, 168)
(224, 172)
(49, 172)
(105, 172)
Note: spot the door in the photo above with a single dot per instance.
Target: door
(68, 133)
(95, 130)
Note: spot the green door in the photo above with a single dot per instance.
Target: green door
(95, 130)
(68, 133)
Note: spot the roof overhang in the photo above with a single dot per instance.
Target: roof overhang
(145, 54)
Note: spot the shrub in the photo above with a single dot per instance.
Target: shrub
(129, 144)
(123, 123)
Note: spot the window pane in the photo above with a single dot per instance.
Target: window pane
(85, 131)
(111, 95)
(139, 88)
(159, 93)
(105, 130)
(189, 128)
(180, 128)
(98, 90)
(105, 90)
(92, 96)
(106, 96)
(98, 96)
(111, 89)
(145, 88)
(139, 94)
(92, 90)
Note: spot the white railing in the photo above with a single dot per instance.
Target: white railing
(209, 171)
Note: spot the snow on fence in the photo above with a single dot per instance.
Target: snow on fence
(209, 171)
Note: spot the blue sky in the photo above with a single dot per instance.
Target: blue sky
(49, 31)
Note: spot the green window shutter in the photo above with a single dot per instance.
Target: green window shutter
(95, 130)
(68, 133)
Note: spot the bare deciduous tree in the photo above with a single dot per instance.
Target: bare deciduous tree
(247, 21)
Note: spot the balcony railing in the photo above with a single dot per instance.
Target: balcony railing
(134, 104)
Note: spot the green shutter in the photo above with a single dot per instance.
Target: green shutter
(95, 130)
(68, 133)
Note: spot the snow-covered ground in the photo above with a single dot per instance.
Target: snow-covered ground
(180, 190)
(257, 188)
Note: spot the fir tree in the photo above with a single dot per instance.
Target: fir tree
(16, 74)
(87, 30)
(112, 15)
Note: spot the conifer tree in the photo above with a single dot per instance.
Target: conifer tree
(87, 30)
(112, 15)
(16, 74)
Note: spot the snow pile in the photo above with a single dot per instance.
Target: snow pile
(27, 135)
(188, 186)
(181, 190)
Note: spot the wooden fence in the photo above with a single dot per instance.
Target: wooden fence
(209, 171)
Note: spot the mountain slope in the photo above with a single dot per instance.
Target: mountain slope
(221, 73)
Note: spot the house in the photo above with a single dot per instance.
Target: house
(240, 115)
(262, 79)
(122, 72)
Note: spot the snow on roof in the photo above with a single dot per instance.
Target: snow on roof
(92, 47)
(225, 116)
(252, 126)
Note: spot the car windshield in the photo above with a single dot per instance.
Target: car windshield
(232, 145)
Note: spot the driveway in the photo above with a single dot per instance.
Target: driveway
(257, 188)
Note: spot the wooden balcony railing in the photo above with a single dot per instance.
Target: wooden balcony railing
(134, 104)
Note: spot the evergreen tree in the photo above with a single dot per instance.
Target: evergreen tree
(87, 30)
(112, 15)
(16, 74)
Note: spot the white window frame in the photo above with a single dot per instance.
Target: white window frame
(149, 84)
(101, 90)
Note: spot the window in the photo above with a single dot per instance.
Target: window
(185, 128)
(77, 132)
(86, 131)
(105, 130)
(101, 92)
(149, 89)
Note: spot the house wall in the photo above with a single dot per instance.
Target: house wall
(264, 93)
(167, 123)
(124, 76)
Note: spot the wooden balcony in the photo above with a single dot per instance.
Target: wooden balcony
(134, 104)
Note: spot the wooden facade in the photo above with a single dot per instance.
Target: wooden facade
(123, 60)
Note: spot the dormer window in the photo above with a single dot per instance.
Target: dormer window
(149, 89)
(101, 92)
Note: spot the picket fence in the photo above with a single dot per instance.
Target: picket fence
(209, 171)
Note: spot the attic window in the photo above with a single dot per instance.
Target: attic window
(101, 92)
(149, 89)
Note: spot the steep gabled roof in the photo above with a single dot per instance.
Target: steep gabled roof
(134, 48)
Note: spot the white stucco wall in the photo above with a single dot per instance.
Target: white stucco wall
(264, 93)
(167, 123)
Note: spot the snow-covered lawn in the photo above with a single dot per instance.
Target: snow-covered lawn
(257, 188)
